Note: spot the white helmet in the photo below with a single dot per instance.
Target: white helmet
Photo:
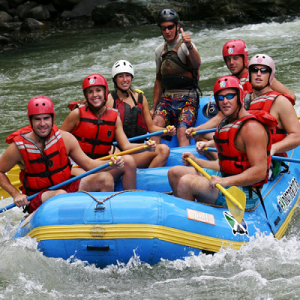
(122, 66)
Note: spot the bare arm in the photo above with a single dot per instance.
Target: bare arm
(287, 119)
(80, 158)
(156, 93)
(194, 56)
(71, 120)
(252, 139)
(279, 87)
(211, 123)
(210, 164)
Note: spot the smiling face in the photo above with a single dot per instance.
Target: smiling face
(235, 64)
(170, 35)
(229, 107)
(42, 125)
(96, 96)
(259, 76)
(123, 81)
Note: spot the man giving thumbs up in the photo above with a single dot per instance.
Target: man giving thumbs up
(175, 99)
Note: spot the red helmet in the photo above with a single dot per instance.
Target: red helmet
(40, 105)
(236, 47)
(95, 79)
(228, 82)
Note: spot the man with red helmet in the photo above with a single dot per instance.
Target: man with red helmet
(235, 54)
(41, 150)
(175, 98)
(243, 142)
(96, 126)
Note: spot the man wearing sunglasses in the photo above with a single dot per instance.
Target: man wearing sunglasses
(235, 54)
(175, 99)
(243, 142)
(280, 105)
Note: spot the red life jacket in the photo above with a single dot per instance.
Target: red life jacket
(264, 102)
(76, 104)
(96, 134)
(231, 160)
(247, 86)
(42, 168)
(132, 118)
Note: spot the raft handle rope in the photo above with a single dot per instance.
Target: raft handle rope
(102, 202)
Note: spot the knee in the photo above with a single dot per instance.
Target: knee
(181, 131)
(105, 181)
(155, 121)
(105, 178)
(183, 182)
(129, 162)
(159, 121)
(173, 173)
(59, 192)
(163, 150)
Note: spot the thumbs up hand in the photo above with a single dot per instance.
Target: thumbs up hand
(186, 37)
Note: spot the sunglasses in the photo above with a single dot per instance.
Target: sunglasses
(170, 27)
(228, 96)
(262, 70)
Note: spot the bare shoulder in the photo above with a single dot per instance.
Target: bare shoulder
(281, 100)
(253, 129)
(110, 101)
(75, 113)
(69, 140)
(71, 120)
(145, 100)
(283, 107)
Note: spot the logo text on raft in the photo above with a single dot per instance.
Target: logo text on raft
(285, 199)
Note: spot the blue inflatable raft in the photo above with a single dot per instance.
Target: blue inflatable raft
(110, 228)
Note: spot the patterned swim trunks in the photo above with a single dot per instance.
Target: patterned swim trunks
(180, 111)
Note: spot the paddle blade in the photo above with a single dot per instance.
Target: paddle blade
(240, 197)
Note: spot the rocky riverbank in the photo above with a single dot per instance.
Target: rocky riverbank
(23, 21)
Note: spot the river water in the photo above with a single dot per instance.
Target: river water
(263, 269)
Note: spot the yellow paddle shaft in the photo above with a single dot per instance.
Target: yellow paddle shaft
(223, 190)
(129, 151)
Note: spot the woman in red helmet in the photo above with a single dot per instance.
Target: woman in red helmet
(41, 150)
(243, 140)
(96, 126)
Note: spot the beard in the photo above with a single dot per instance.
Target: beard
(259, 87)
